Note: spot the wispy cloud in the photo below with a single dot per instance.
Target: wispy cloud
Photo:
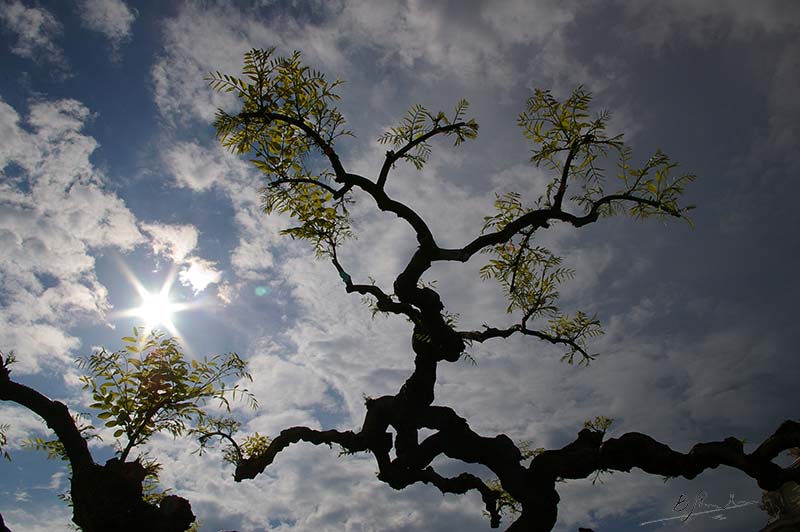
(112, 18)
(36, 30)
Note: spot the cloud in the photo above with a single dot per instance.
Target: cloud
(53, 214)
(172, 241)
(40, 519)
(661, 24)
(178, 74)
(199, 274)
(22, 425)
(433, 44)
(330, 353)
(36, 30)
(200, 168)
(112, 18)
(177, 242)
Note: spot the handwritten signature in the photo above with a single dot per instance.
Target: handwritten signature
(700, 507)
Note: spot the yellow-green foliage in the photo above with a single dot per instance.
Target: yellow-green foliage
(150, 387)
(286, 115)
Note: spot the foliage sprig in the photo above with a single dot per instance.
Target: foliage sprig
(150, 387)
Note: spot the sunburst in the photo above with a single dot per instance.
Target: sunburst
(155, 309)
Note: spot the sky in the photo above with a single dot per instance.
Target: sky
(110, 176)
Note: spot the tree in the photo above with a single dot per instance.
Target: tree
(289, 125)
(145, 388)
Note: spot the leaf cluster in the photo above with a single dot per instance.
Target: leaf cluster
(569, 142)
(577, 330)
(653, 182)
(150, 387)
(278, 86)
(598, 424)
(506, 504)
(566, 138)
(323, 222)
(287, 113)
(225, 429)
(419, 125)
(529, 275)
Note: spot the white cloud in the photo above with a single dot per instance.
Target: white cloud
(199, 274)
(112, 18)
(38, 519)
(36, 29)
(178, 75)
(23, 424)
(173, 241)
(52, 216)
(201, 168)
(334, 351)
(431, 43)
(177, 242)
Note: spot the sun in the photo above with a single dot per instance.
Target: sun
(156, 310)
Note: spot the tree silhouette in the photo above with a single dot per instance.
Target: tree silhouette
(289, 125)
(147, 387)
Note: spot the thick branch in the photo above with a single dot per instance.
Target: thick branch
(534, 220)
(252, 466)
(589, 453)
(400, 478)
(54, 413)
(457, 440)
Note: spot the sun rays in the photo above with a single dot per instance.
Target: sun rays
(156, 310)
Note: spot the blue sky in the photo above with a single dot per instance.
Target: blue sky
(108, 164)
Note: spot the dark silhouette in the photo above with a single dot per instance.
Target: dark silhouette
(104, 497)
(288, 117)
(3, 527)
(287, 124)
